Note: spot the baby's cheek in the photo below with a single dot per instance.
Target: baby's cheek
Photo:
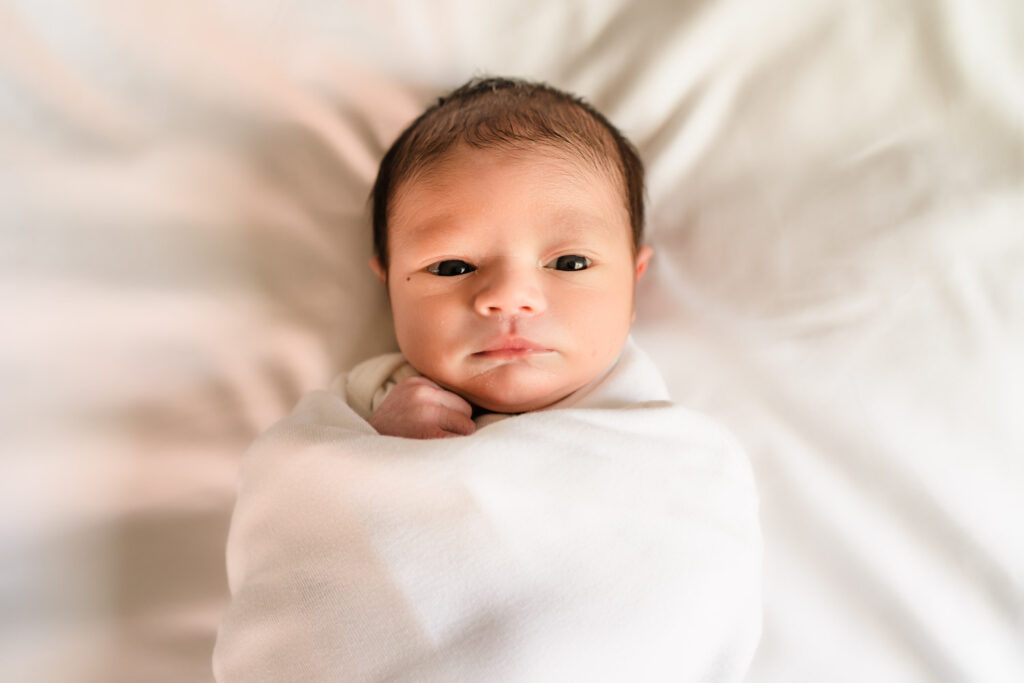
(423, 331)
(604, 309)
(602, 324)
(411, 315)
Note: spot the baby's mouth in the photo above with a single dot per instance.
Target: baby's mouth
(511, 347)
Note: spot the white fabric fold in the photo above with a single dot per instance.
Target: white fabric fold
(367, 384)
(612, 537)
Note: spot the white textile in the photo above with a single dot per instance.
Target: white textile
(612, 537)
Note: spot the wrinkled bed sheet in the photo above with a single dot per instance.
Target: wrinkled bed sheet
(836, 203)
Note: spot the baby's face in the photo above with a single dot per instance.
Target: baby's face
(511, 275)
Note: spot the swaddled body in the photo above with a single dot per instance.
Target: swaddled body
(513, 497)
(610, 537)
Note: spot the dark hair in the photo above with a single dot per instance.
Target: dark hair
(512, 113)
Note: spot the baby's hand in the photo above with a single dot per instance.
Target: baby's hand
(419, 409)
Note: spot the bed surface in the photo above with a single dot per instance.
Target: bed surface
(837, 211)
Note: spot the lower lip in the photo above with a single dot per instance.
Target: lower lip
(511, 353)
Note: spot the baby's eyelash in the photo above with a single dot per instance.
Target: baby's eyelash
(570, 263)
(450, 268)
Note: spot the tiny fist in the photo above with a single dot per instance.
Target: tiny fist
(418, 408)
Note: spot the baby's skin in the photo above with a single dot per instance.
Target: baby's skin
(417, 408)
(512, 278)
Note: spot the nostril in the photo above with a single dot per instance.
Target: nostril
(507, 298)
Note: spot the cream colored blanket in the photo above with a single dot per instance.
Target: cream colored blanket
(612, 537)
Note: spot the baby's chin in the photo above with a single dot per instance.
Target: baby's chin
(518, 386)
(492, 405)
(514, 398)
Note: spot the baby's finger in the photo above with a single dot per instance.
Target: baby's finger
(454, 402)
(456, 423)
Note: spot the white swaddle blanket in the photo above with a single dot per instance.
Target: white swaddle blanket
(611, 537)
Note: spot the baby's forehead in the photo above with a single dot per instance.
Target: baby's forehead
(555, 171)
(567, 162)
(468, 193)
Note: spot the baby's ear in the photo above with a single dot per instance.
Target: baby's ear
(378, 270)
(643, 256)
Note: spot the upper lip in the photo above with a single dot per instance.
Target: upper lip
(512, 344)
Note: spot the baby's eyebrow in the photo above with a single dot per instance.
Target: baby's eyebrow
(564, 223)
(576, 223)
(435, 228)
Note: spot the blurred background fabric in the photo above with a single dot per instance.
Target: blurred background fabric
(836, 203)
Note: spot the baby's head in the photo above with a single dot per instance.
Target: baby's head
(508, 221)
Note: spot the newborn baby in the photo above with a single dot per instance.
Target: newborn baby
(581, 526)
(508, 222)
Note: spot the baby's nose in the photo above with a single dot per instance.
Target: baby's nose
(510, 292)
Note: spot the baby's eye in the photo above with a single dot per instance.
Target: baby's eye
(570, 262)
(450, 268)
